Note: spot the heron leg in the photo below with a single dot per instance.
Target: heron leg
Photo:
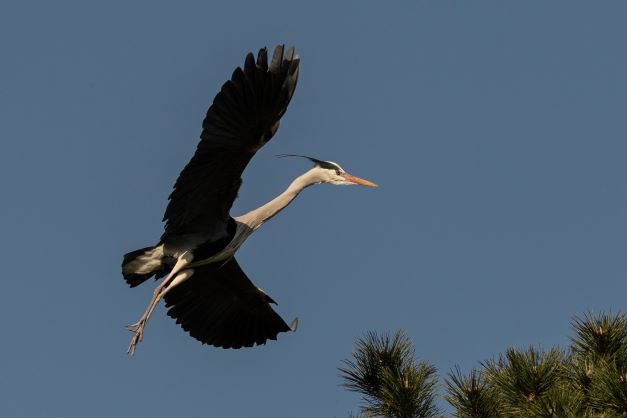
(138, 327)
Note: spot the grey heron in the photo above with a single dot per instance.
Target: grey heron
(204, 288)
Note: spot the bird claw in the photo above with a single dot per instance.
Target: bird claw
(131, 348)
(134, 327)
(138, 329)
(136, 340)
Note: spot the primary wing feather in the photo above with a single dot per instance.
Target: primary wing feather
(244, 116)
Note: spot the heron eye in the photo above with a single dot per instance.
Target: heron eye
(337, 171)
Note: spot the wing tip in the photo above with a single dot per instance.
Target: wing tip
(262, 58)
(294, 325)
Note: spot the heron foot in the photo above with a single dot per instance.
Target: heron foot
(138, 329)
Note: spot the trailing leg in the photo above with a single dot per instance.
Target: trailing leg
(138, 327)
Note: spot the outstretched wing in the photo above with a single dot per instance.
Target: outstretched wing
(244, 116)
(220, 306)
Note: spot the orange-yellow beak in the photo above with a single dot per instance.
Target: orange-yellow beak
(357, 180)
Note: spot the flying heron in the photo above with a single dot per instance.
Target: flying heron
(204, 287)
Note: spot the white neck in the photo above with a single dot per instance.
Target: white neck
(255, 218)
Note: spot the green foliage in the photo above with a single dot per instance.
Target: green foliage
(608, 391)
(599, 362)
(392, 384)
(523, 377)
(589, 380)
(470, 395)
(601, 337)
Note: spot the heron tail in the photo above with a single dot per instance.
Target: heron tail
(140, 265)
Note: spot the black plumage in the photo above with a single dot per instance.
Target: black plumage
(244, 116)
(220, 306)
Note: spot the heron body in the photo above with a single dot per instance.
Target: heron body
(204, 287)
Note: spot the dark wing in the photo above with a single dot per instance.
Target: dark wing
(244, 116)
(220, 306)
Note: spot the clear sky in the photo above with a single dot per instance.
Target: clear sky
(497, 131)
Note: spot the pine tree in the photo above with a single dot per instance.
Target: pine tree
(588, 380)
(392, 384)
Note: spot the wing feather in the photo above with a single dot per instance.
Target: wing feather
(220, 306)
(243, 117)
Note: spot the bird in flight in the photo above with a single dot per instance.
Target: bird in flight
(204, 287)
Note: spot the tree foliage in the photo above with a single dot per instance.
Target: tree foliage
(587, 380)
(392, 384)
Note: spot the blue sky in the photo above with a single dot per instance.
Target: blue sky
(496, 130)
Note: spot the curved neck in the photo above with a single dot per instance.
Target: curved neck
(255, 218)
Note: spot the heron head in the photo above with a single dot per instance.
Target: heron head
(331, 172)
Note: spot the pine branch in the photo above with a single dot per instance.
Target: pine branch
(470, 395)
(409, 391)
(604, 337)
(558, 401)
(523, 377)
(392, 384)
(608, 391)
